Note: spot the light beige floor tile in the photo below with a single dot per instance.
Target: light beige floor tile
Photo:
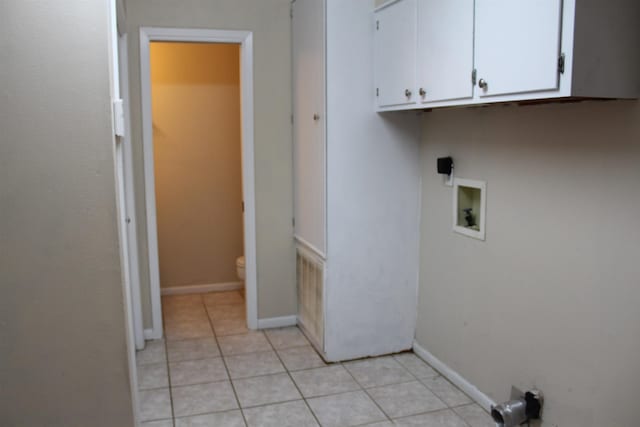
(199, 348)
(153, 375)
(197, 371)
(346, 409)
(297, 358)
(401, 400)
(415, 365)
(181, 301)
(252, 342)
(254, 364)
(213, 299)
(322, 381)
(231, 326)
(222, 419)
(185, 314)
(380, 424)
(378, 371)
(188, 330)
(155, 404)
(281, 338)
(227, 311)
(161, 423)
(203, 398)
(265, 389)
(446, 418)
(154, 352)
(475, 416)
(446, 391)
(289, 414)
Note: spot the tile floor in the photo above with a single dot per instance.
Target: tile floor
(212, 371)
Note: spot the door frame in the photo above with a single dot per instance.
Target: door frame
(121, 149)
(245, 40)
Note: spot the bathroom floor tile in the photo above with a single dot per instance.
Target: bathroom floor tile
(254, 364)
(475, 416)
(252, 342)
(346, 409)
(185, 330)
(227, 311)
(282, 338)
(213, 299)
(197, 371)
(265, 389)
(446, 418)
(223, 327)
(400, 400)
(222, 419)
(154, 352)
(297, 358)
(199, 348)
(185, 314)
(446, 391)
(155, 404)
(323, 381)
(153, 375)
(170, 302)
(289, 414)
(415, 365)
(378, 371)
(203, 398)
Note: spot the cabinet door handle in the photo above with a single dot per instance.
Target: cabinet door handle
(422, 92)
(482, 84)
(316, 117)
(407, 93)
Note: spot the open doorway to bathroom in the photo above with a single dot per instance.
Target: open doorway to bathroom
(195, 104)
(197, 132)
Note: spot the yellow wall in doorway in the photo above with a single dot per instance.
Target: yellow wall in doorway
(197, 153)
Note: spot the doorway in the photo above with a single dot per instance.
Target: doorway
(203, 267)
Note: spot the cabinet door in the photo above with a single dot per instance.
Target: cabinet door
(445, 50)
(395, 54)
(517, 46)
(309, 122)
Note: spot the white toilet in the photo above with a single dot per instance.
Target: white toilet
(240, 267)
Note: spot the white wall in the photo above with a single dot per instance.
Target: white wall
(373, 199)
(550, 299)
(63, 355)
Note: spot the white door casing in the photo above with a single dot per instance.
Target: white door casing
(245, 40)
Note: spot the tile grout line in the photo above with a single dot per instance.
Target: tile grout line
(166, 356)
(367, 393)
(224, 362)
(304, 399)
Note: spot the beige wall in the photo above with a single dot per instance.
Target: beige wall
(270, 22)
(196, 135)
(551, 298)
(63, 359)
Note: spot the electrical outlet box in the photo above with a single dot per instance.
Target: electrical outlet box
(469, 207)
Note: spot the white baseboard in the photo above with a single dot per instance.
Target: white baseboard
(277, 322)
(457, 379)
(199, 289)
(151, 334)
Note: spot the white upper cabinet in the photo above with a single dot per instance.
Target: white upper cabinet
(520, 50)
(395, 54)
(445, 50)
(517, 46)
